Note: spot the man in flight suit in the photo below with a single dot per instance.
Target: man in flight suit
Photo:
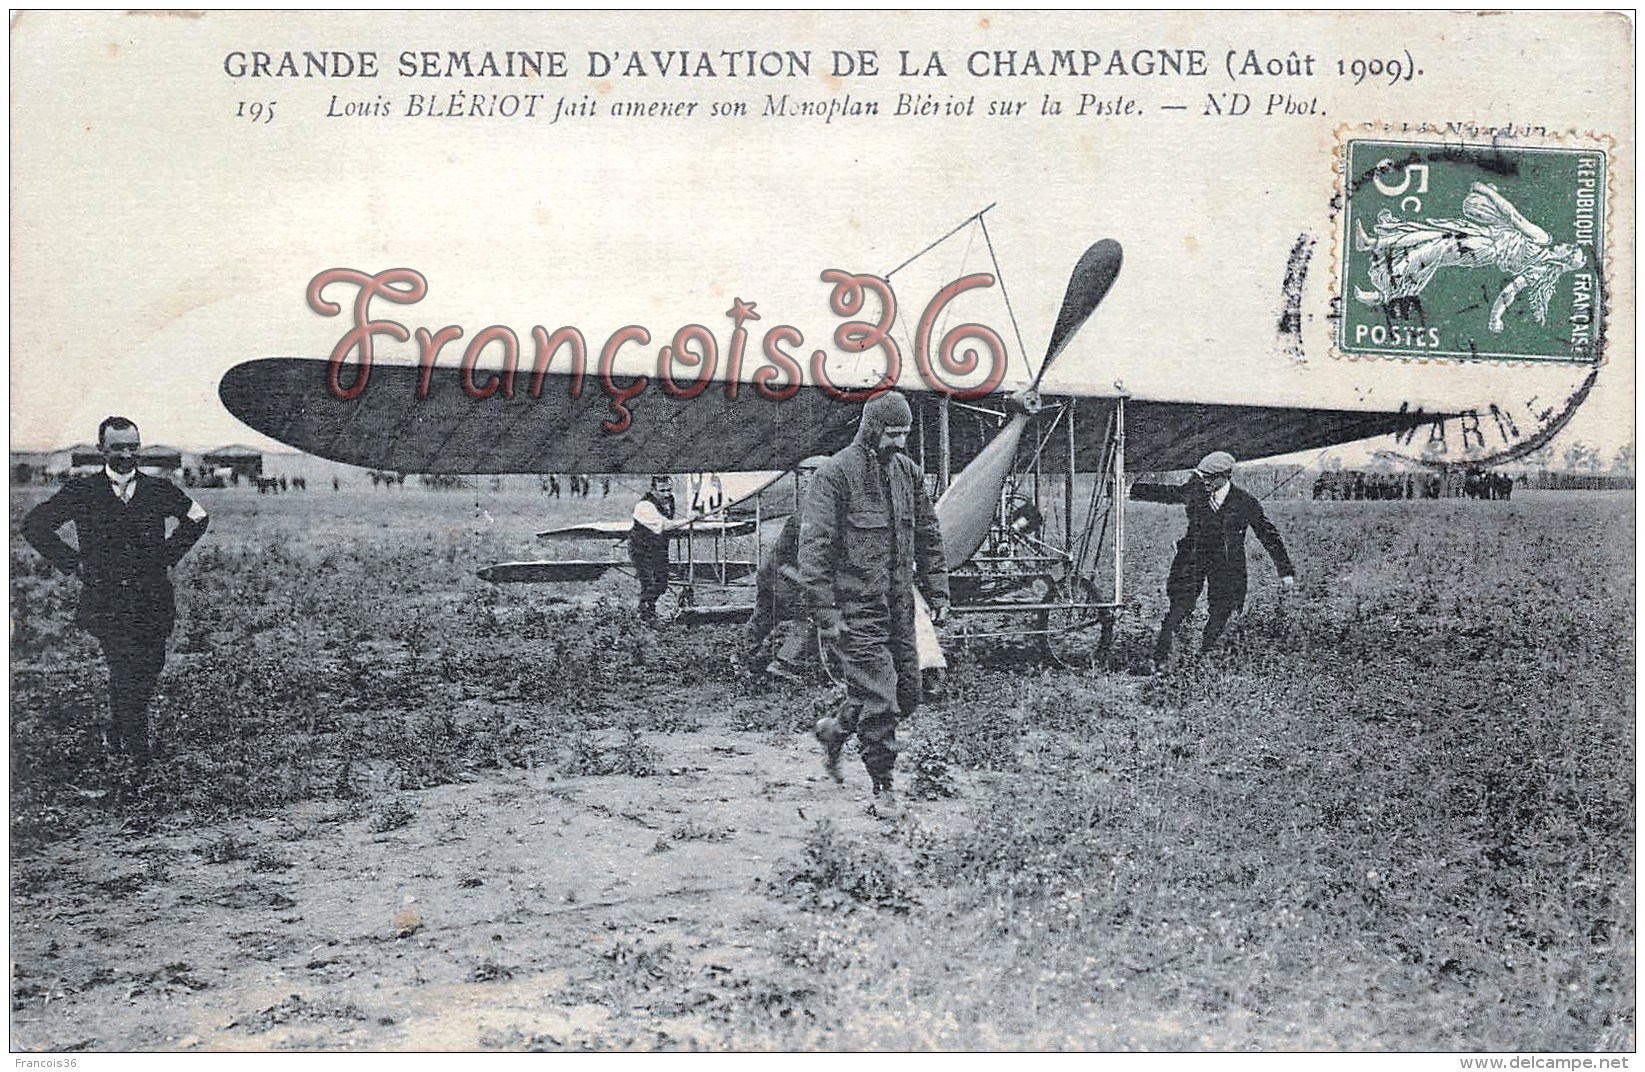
(1212, 553)
(126, 597)
(868, 533)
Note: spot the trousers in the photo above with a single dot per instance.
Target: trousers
(653, 573)
(134, 662)
(791, 644)
(881, 665)
(1182, 605)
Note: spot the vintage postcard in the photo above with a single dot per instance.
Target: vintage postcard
(822, 530)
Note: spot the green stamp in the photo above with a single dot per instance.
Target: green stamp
(1472, 252)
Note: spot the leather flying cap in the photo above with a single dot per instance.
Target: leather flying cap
(890, 410)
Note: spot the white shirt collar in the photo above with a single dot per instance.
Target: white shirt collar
(123, 486)
(1220, 496)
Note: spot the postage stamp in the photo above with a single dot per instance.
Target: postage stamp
(1471, 251)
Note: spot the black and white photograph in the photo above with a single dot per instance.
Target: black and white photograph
(823, 531)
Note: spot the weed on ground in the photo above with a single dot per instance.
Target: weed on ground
(1396, 811)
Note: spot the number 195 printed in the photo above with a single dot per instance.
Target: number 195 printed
(256, 111)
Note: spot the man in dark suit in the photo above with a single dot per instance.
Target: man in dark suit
(1212, 554)
(126, 598)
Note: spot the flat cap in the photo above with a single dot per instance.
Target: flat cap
(1216, 463)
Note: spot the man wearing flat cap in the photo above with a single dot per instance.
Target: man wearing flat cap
(1212, 553)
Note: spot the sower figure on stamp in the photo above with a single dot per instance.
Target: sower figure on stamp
(868, 533)
(1212, 553)
(779, 633)
(126, 599)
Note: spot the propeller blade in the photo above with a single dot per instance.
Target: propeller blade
(1088, 284)
(966, 509)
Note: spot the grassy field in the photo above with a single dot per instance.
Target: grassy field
(1397, 813)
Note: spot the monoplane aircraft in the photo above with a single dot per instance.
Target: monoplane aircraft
(1016, 542)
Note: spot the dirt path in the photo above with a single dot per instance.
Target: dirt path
(511, 912)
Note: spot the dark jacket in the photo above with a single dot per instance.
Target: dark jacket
(647, 549)
(1213, 549)
(124, 551)
(867, 532)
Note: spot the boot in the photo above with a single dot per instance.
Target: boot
(831, 734)
(885, 805)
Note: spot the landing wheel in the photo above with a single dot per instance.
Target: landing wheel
(1065, 635)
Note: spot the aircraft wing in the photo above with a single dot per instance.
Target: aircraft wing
(720, 526)
(555, 572)
(1161, 436)
(589, 530)
(387, 427)
(729, 492)
(618, 530)
(775, 500)
(565, 571)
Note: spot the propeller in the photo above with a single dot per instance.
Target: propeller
(966, 509)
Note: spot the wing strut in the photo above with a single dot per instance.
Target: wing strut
(957, 228)
(1006, 294)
